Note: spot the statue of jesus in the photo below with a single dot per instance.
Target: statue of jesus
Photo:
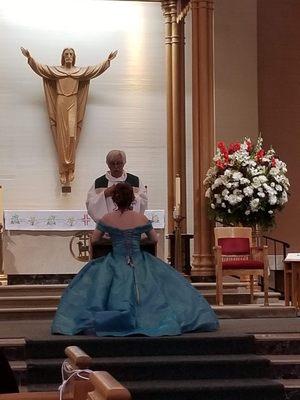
(66, 90)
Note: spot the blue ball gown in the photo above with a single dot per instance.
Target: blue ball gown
(131, 292)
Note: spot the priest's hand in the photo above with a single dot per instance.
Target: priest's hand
(25, 52)
(108, 192)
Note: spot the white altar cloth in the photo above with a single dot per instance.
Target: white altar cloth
(62, 220)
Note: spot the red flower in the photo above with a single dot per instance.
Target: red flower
(223, 149)
(249, 145)
(259, 155)
(233, 147)
(220, 164)
(273, 162)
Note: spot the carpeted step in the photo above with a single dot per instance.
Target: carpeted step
(187, 344)
(12, 302)
(243, 311)
(292, 388)
(156, 367)
(278, 343)
(27, 313)
(193, 366)
(229, 389)
(31, 290)
(285, 366)
(14, 349)
(241, 298)
(245, 389)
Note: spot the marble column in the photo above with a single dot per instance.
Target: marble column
(203, 130)
(174, 40)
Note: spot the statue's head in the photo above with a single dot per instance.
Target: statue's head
(68, 54)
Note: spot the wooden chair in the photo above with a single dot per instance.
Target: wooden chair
(236, 256)
(99, 385)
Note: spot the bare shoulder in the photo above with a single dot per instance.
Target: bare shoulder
(141, 218)
(106, 218)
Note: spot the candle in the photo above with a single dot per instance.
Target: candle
(177, 196)
(177, 191)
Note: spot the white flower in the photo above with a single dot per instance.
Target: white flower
(225, 192)
(284, 197)
(244, 181)
(263, 178)
(212, 206)
(252, 163)
(248, 191)
(236, 176)
(217, 183)
(234, 199)
(274, 171)
(254, 204)
(256, 182)
(261, 194)
(253, 171)
(207, 193)
(272, 200)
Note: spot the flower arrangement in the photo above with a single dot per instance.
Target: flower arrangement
(246, 184)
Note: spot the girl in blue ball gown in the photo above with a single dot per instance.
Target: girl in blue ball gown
(129, 291)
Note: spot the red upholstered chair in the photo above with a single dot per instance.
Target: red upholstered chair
(235, 256)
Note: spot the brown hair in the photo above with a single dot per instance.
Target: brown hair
(123, 196)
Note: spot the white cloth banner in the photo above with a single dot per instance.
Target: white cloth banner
(62, 220)
(47, 220)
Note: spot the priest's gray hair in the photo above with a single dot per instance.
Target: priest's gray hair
(114, 154)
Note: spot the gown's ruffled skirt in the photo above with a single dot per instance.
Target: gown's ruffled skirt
(110, 297)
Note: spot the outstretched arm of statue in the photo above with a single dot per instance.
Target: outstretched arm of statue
(42, 70)
(112, 55)
(25, 52)
(96, 70)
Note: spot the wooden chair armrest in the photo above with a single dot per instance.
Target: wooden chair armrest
(260, 253)
(78, 358)
(218, 257)
(261, 248)
(217, 248)
(107, 387)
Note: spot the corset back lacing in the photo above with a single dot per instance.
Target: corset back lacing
(129, 261)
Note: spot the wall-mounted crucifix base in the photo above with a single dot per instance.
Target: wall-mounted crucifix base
(66, 189)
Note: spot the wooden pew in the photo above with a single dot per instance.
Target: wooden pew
(99, 385)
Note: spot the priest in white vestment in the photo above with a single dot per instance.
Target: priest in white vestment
(99, 201)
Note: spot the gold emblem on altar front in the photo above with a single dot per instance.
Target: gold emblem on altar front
(80, 246)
